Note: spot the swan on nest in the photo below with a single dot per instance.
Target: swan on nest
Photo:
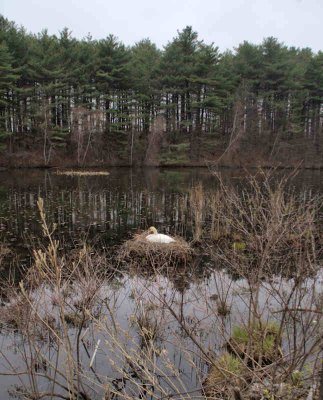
(155, 237)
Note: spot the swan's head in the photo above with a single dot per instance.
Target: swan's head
(152, 231)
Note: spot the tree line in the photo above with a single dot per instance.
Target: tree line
(104, 100)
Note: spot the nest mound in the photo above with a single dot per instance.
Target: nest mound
(139, 252)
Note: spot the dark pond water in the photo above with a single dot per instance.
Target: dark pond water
(106, 210)
(110, 207)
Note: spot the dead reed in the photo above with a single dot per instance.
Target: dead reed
(197, 207)
(83, 173)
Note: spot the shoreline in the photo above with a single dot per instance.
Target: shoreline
(161, 166)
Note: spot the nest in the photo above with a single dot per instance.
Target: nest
(138, 252)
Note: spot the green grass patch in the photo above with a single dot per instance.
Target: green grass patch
(175, 154)
(258, 341)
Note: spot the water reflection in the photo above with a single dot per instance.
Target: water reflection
(179, 316)
(112, 206)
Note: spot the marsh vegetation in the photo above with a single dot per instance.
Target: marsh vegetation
(238, 315)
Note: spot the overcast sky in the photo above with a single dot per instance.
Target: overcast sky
(224, 22)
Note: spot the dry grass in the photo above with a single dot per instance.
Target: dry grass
(83, 173)
(140, 252)
(229, 378)
(197, 203)
(226, 373)
(16, 314)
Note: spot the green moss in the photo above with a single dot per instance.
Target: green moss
(230, 363)
(259, 341)
(175, 154)
(181, 147)
(240, 334)
(172, 159)
(268, 344)
(297, 378)
(239, 246)
(224, 368)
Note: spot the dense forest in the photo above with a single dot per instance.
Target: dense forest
(65, 101)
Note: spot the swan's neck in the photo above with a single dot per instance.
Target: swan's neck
(152, 230)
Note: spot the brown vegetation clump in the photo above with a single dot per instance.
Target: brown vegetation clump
(82, 173)
(230, 378)
(224, 375)
(142, 253)
(16, 314)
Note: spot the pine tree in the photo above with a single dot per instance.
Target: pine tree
(8, 78)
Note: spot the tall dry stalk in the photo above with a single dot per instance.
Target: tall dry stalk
(197, 204)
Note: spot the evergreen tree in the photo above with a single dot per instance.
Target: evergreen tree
(53, 87)
(145, 58)
(8, 78)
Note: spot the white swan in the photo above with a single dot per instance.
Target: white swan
(155, 237)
